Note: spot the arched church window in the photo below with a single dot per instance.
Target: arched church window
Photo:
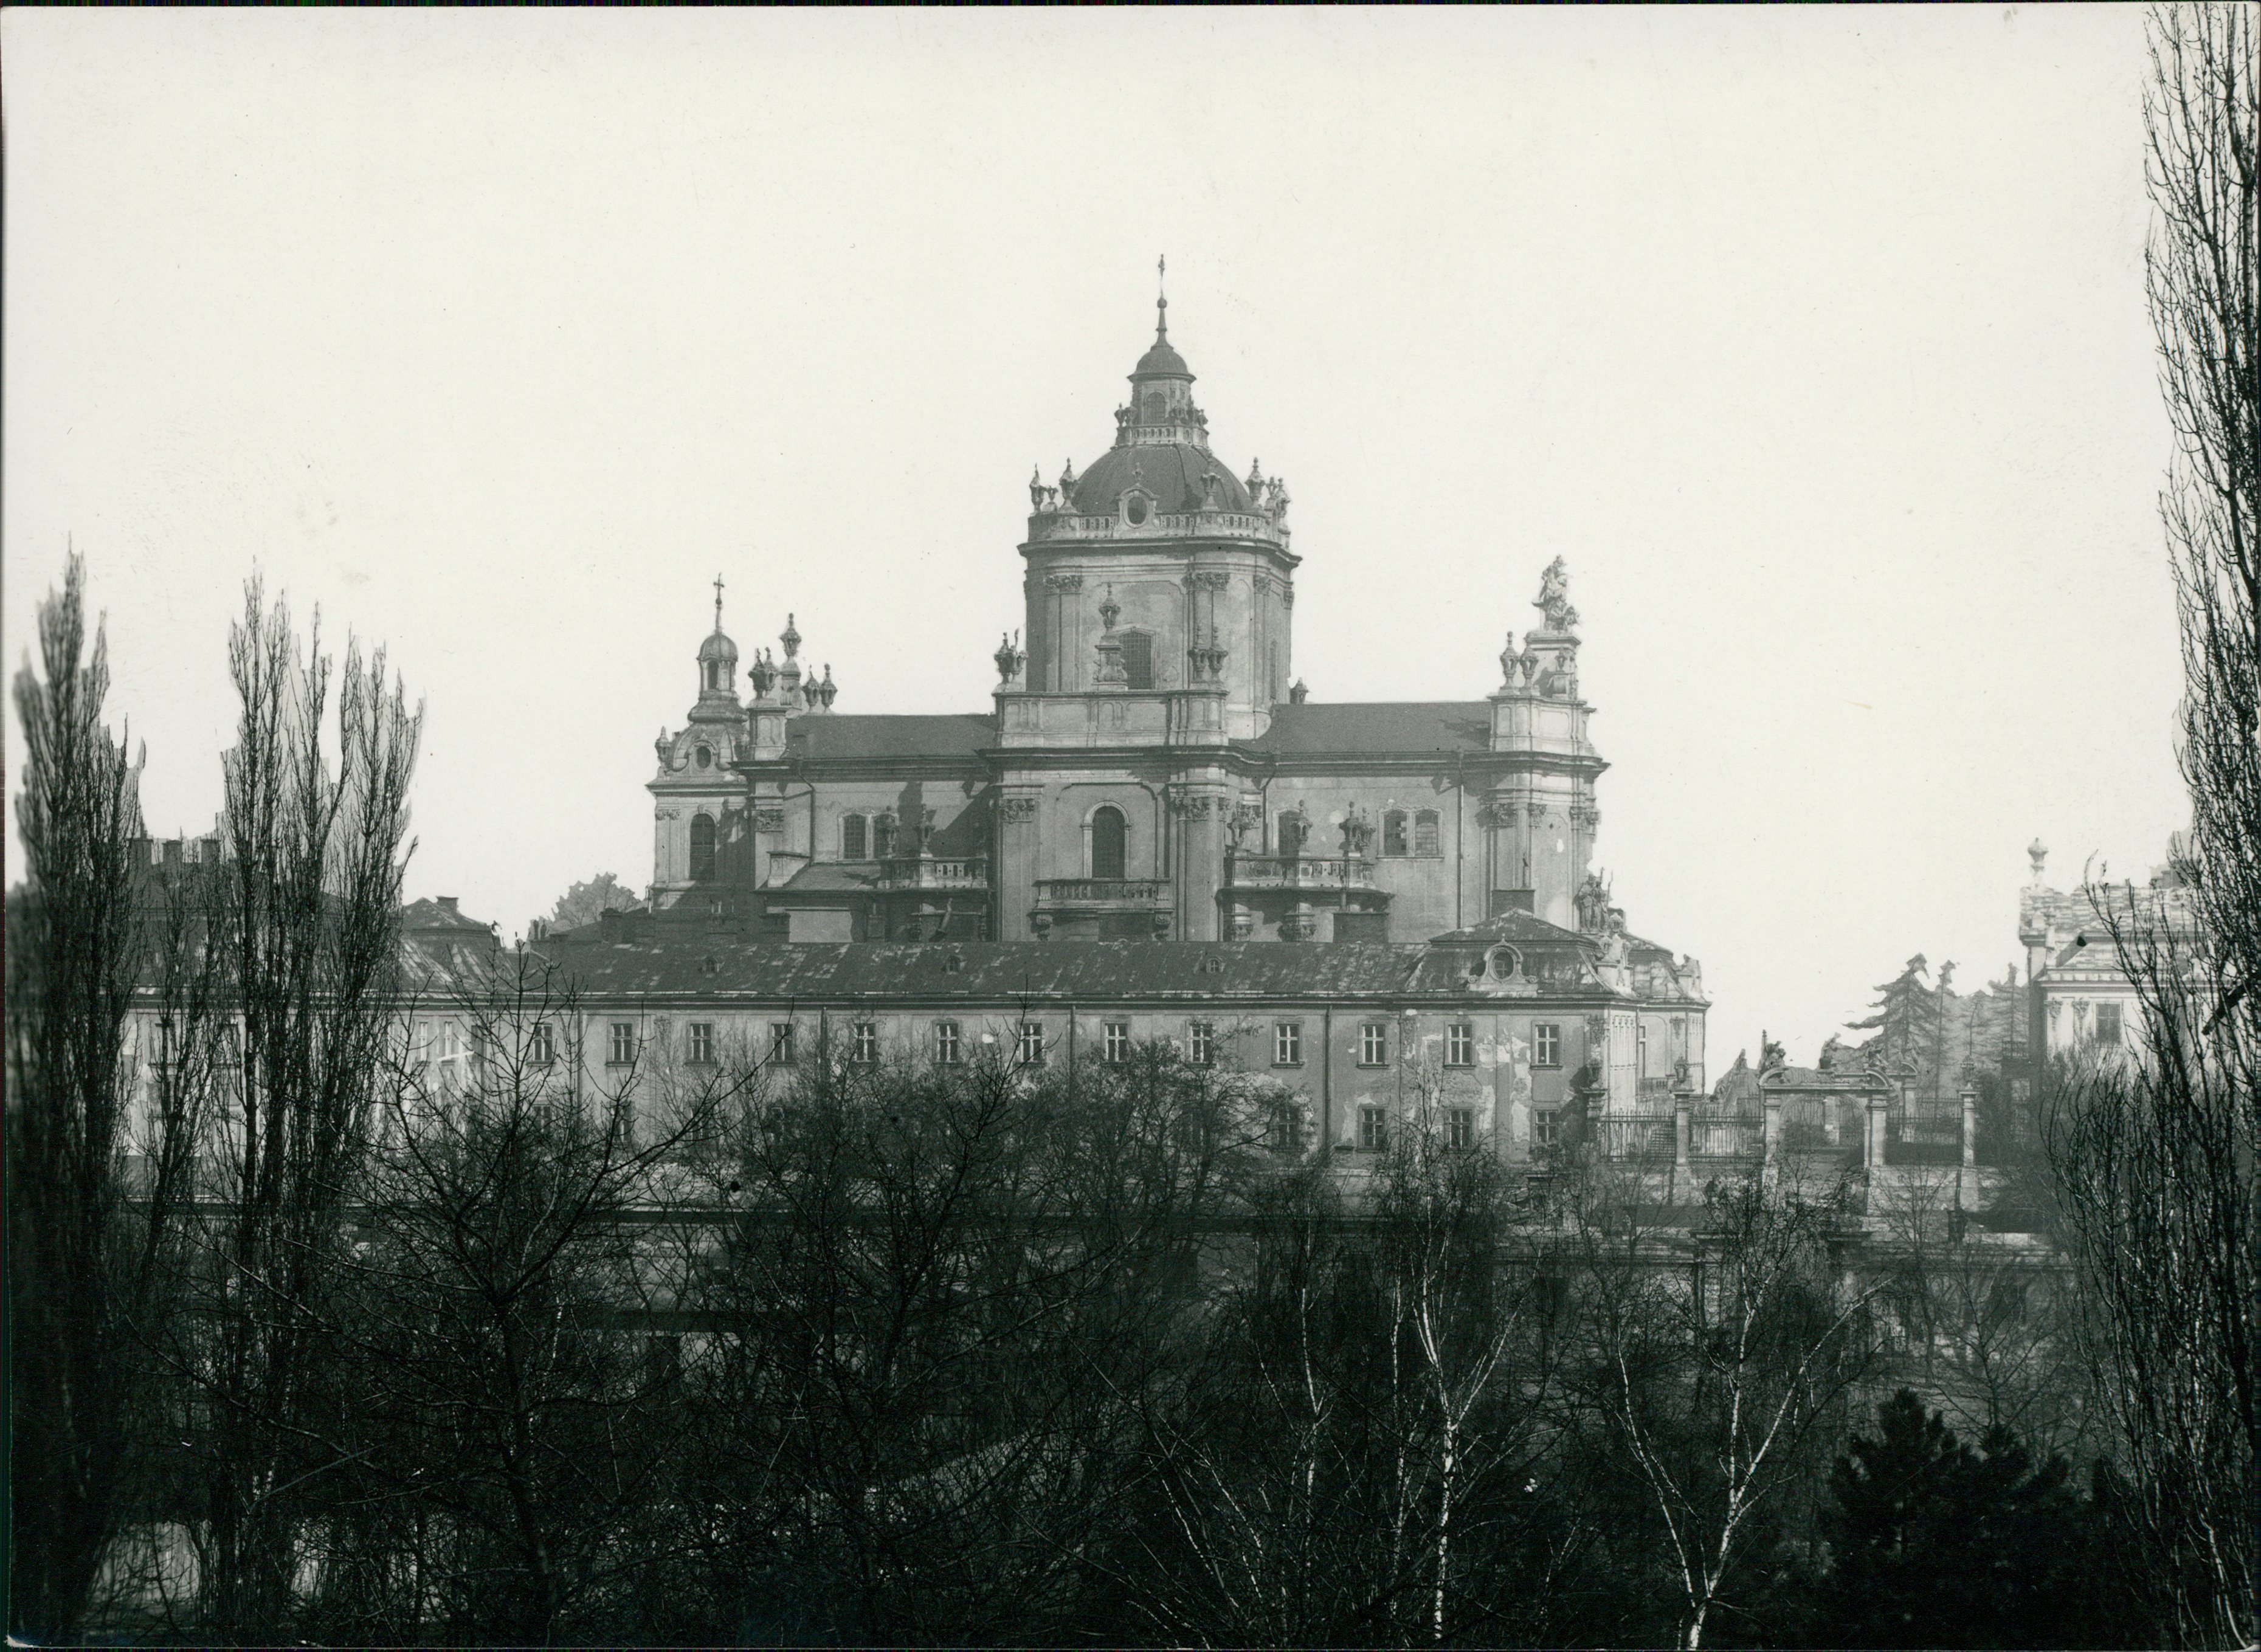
(1139, 659)
(853, 840)
(715, 674)
(1110, 832)
(702, 847)
(1291, 833)
(1425, 838)
(883, 837)
(1393, 833)
(1155, 405)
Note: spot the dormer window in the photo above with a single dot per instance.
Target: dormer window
(704, 757)
(1506, 962)
(1135, 509)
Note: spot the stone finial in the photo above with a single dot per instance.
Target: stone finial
(1256, 480)
(1036, 488)
(826, 691)
(1109, 609)
(1067, 484)
(1358, 833)
(791, 637)
(1509, 663)
(2038, 852)
(662, 746)
(762, 674)
(1299, 692)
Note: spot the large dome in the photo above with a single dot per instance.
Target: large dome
(1172, 472)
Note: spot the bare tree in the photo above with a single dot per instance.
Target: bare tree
(507, 1316)
(300, 924)
(73, 950)
(1715, 1372)
(2155, 1158)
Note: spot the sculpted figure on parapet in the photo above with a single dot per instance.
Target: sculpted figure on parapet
(1554, 598)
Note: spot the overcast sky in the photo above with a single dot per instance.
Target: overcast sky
(1813, 339)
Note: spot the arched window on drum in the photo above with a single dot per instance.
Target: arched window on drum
(1110, 840)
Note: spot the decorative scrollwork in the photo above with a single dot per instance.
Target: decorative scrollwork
(1017, 811)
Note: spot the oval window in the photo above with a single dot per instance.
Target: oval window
(706, 757)
(1135, 510)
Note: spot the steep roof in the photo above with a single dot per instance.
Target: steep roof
(988, 972)
(830, 738)
(1371, 726)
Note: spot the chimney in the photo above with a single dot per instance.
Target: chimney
(446, 903)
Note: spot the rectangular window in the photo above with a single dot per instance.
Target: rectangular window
(541, 1044)
(1547, 1044)
(1373, 1129)
(1461, 1044)
(1640, 1049)
(946, 1044)
(1115, 1040)
(1287, 1043)
(1139, 659)
(622, 1048)
(230, 1053)
(702, 1049)
(851, 837)
(1287, 1132)
(1373, 1044)
(1459, 1128)
(865, 1050)
(1201, 1043)
(2107, 1024)
(1393, 833)
(1029, 1048)
(1546, 1128)
(780, 1043)
(1425, 839)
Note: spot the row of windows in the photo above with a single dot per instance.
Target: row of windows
(1414, 834)
(1115, 1042)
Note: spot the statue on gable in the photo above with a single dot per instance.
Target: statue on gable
(1554, 598)
(1036, 490)
(1593, 903)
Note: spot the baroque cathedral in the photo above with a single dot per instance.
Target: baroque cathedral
(1152, 815)
(1146, 770)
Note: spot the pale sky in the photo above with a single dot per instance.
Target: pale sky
(1813, 339)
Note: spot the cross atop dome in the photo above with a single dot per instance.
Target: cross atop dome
(1160, 361)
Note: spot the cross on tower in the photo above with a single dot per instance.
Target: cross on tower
(718, 602)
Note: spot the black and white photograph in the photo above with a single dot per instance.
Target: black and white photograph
(1133, 826)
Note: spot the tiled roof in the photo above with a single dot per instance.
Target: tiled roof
(1373, 727)
(828, 738)
(432, 914)
(829, 878)
(1172, 472)
(987, 972)
(1520, 927)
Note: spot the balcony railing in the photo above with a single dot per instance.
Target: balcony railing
(1097, 892)
(1297, 871)
(1239, 524)
(925, 871)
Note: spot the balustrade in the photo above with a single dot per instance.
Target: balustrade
(1103, 892)
(1297, 871)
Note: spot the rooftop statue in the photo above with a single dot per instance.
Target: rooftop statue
(1554, 598)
